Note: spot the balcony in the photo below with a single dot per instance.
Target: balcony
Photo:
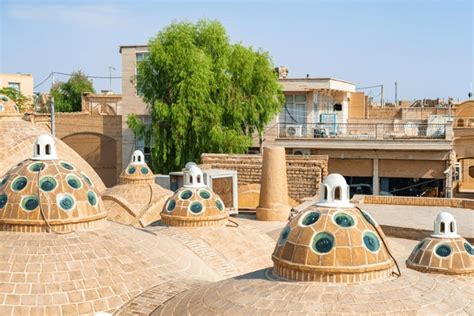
(363, 131)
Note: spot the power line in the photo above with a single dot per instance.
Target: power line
(66, 74)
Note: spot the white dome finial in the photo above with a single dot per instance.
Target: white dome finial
(44, 148)
(193, 176)
(445, 226)
(138, 158)
(335, 192)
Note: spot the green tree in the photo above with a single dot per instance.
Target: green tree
(67, 95)
(204, 94)
(16, 96)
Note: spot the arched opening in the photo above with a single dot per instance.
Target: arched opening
(139, 159)
(48, 149)
(38, 149)
(442, 228)
(452, 227)
(337, 193)
(198, 179)
(460, 123)
(325, 194)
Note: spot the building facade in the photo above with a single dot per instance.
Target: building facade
(392, 151)
(20, 82)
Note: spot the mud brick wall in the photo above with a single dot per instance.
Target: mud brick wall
(304, 173)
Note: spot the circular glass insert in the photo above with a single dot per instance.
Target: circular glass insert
(65, 201)
(67, 165)
(220, 205)
(344, 220)
(29, 202)
(196, 207)
(19, 184)
(371, 241)
(144, 170)
(284, 235)
(323, 242)
(369, 218)
(131, 170)
(3, 200)
(74, 182)
(205, 194)
(92, 198)
(48, 184)
(36, 167)
(171, 205)
(3, 181)
(185, 195)
(310, 218)
(467, 245)
(86, 178)
(1, 107)
(443, 250)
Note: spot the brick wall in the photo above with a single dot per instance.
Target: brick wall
(304, 173)
(408, 200)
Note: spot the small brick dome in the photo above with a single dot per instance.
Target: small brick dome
(44, 193)
(8, 107)
(194, 204)
(137, 170)
(444, 251)
(332, 241)
(138, 201)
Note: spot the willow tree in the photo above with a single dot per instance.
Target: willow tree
(204, 94)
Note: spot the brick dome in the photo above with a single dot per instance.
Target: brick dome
(137, 170)
(138, 201)
(8, 108)
(444, 251)
(48, 194)
(194, 204)
(332, 241)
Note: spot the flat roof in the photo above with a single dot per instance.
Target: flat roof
(316, 79)
(132, 46)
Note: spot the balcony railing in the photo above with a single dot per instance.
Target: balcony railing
(362, 131)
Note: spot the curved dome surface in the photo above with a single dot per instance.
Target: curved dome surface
(18, 138)
(8, 108)
(135, 204)
(194, 204)
(444, 251)
(332, 245)
(38, 195)
(137, 170)
(194, 207)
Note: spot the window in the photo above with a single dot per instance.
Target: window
(442, 228)
(14, 85)
(294, 111)
(337, 193)
(138, 58)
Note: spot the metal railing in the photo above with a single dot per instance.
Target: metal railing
(362, 131)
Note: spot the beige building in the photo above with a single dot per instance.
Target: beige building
(131, 102)
(379, 150)
(20, 82)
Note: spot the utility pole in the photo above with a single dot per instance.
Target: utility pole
(110, 77)
(396, 96)
(53, 124)
(381, 96)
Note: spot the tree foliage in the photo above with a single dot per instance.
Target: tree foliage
(67, 95)
(204, 94)
(16, 96)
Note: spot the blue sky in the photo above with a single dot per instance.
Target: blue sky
(427, 46)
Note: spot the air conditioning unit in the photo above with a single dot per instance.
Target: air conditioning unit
(301, 151)
(294, 130)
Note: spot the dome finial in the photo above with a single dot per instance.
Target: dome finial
(445, 226)
(138, 158)
(193, 176)
(334, 192)
(44, 148)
